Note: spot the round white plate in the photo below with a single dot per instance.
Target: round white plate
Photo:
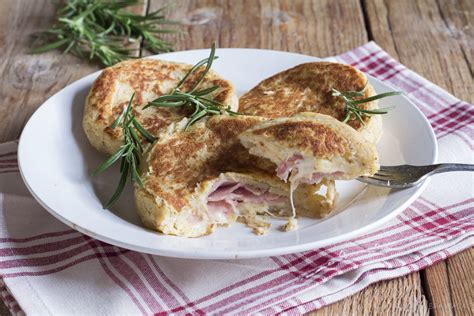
(56, 161)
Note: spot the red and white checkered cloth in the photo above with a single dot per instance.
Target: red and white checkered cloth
(47, 268)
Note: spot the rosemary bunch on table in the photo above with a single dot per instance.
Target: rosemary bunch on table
(352, 101)
(129, 153)
(98, 29)
(196, 98)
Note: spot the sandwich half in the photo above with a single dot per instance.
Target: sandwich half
(148, 79)
(310, 147)
(203, 177)
(308, 88)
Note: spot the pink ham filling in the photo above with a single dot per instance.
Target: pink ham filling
(290, 165)
(223, 201)
(284, 169)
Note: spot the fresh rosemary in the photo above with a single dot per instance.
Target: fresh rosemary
(129, 152)
(98, 29)
(197, 99)
(352, 108)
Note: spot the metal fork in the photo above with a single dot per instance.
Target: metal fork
(406, 176)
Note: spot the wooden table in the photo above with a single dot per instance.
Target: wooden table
(432, 37)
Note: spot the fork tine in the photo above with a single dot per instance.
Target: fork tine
(405, 176)
(383, 177)
(373, 181)
(384, 172)
(391, 168)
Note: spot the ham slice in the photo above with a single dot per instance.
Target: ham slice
(221, 211)
(224, 199)
(284, 169)
(223, 192)
(290, 166)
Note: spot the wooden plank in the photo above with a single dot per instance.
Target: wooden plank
(301, 26)
(401, 296)
(449, 285)
(457, 16)
(436, 284)
(461, 282)
(28, 80)
(434, 39)
(417, 33)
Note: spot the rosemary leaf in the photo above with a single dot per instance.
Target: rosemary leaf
(195, 67)
(167, 104)
(143, 131)
(196, 118)
(209, 62)
(51, 46)
(197, 99)
(129, 152)
(377, 97)
(352, 109)
(206, 91)
(109, 162)
(120, 186)
(98, 29)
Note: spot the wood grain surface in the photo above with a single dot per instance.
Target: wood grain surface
(432, 37)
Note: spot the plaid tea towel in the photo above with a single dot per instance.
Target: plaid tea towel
(47, 268)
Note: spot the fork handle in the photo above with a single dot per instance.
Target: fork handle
(448, 167)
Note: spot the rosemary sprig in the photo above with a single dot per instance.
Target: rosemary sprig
(352, 108)
(129, 152)
(197, 99)
(98, 29)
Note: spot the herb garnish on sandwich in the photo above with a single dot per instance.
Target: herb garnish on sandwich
(129, 153)
(195, 98)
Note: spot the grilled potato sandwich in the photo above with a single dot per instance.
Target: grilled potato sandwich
(148, 79)
(308, 88)
(312, 146)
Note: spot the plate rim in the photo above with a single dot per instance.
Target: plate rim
(228, 254)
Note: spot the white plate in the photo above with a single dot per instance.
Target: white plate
(56, 160)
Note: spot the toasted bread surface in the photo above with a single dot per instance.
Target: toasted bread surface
(148, 79)
(308, 88)
(180, 160)
(181, 168)
(331, 144)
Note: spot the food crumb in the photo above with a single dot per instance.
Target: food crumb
(258, 224)
(291, 225)
(248, 216)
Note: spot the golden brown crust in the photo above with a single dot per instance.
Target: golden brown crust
(307, 88)
(181, 168)
(309, 135)
(148, 79)
(317, 137)
(177, 163)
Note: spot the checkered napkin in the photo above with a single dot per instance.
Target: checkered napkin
(47, 268)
